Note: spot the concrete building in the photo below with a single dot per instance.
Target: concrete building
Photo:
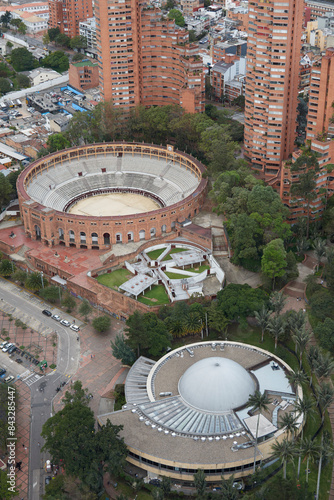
(188, 411)
(227, 50)
(145, 59)
(41, 75)
(57, 123)
(84, 74)
(273, 55)
(88, 30)
(66, 15)
(190, 6)
(223, 76)
(319, 7)
(240, 15)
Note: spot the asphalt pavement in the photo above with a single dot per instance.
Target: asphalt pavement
(43, 387)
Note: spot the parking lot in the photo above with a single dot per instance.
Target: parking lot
(11, 367)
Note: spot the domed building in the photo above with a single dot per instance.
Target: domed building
(188, 411)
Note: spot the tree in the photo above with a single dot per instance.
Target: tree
(5, 191)
(288, 420)
(322, 304)
(325, 333)
(85, 309)
(53, 33)
(110, 449)
(262, 317)
(4, 85)
(7, 268)
(22, 28)
(23, 81)
(305, 188)
(57, 142)
(301, 339)
(5, 492)
(273, 262)
(297, 377)
(325, 394)
(217, 319)
(177, 15)
(35, 281)
(68, 302)
(166, 485)
(228, 491)
(57, 60)
(325, 365)
(122, 351)
(276, 327)
(78, 57)
(78, 42)
(6, 18)
(277, 302)
(147, 334)
(258, 402)
(101, 323)
(285, 451)
(46, 39)
(22, 59)
(200, 483)
(311, 451)
(19, 276)
(52, 294)
(303, 407)
(62, 40)
(238, 301)
(319, 249)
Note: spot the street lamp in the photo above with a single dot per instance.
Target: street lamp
(42, 279)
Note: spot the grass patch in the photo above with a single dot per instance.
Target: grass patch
(114, 279)
(176, 276)
(200, 269)
(174, 250)
(155, 297)
(154, 254)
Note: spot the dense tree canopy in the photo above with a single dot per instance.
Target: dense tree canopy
(239, 301)
(177, 15)
(57, 60)
(147, 334)
(23, 60)
(6, 190)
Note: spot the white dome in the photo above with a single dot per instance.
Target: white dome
(216, 384)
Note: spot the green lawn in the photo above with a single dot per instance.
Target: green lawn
(175, 276)
(174, 250)
(154, 254)
(155, 297)
(199, 269)
(114, 279)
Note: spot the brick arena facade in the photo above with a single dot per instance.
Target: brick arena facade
(50, 185)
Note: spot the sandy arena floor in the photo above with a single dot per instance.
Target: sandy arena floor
(114, 204)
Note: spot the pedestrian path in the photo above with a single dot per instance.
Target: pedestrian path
(32, 379)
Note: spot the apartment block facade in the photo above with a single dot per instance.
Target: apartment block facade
(273, 56)
(320, 134)
(66, 15)
(145, 59)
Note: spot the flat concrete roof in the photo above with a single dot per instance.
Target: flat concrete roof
(138, 284)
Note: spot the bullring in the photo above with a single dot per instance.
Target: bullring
(50, 187)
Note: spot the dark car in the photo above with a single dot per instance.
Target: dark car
(19, 360)
(12, 349)
(46, 312)
(155, 482)
(47, 480)
(2, 371)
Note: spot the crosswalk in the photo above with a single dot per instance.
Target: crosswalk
(31, 379)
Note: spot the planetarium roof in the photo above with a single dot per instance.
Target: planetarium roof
(216, 384)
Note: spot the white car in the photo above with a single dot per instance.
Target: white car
(75, 328)
(8, 346)
(56, 317)
(9, 379)
(3, 344)
(65, 322)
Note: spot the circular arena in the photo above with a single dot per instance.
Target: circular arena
(97, 195)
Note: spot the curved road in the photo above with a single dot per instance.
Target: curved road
(43, 390)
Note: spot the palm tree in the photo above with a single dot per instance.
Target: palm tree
(289, 421)
(326, 451)
(302, 245)
(262, 317)
(325, 365)
(301, 339)
(313, 356)
(285, 451)
(303, 407)
(193, 323)
(297, 378)
(310, 449)
(258, 402)
(276, 328)
(319, 249)
(325, 394)
(277, 302)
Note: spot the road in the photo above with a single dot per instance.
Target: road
(43, 388)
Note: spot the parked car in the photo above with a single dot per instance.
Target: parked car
(9, 379)
(19, 360)
(47, 480)
(48, 466)
(7, 347)
(2, 371)
(65, 322)
(56, 317)
(12, 349)
(3, 344)
(74, 327)
(46, 312)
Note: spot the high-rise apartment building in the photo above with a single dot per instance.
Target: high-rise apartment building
(67, 14)
(273, 55)
(320, 134)
(145, 59)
